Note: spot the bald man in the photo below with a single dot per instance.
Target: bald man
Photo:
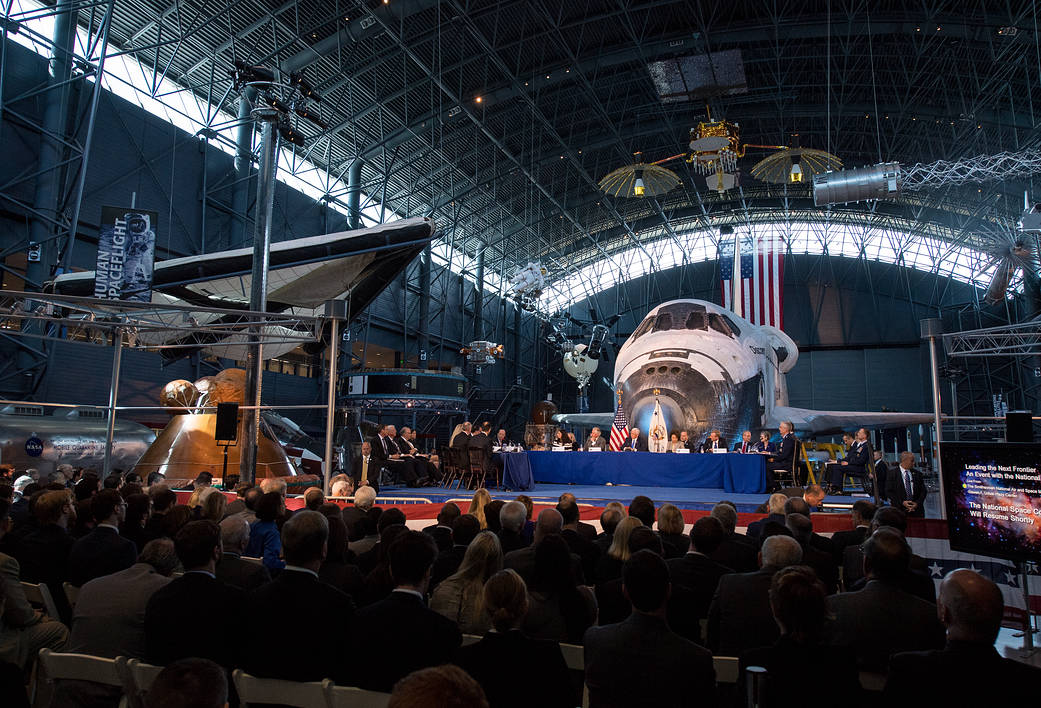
(971, 608)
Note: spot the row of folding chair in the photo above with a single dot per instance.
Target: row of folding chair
(468, 469)
(135, 678)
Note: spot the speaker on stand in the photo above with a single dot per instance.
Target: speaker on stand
(1019, 426)
(226, 432)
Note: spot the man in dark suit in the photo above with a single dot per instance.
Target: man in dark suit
(784, 458)
(461, 442)
(196, 614)
(441, 531)
(735, 551)
(713, 442)
(424, 468)
(879, 474)
(916, 580)
(670, 668)
(696, 570)
(855, 463)
(482, 440)
(579, 543)
(549, 523)
(364, 470)
(354, 516)
(799, 505)
(102, 551)
(231, 569)
(740, 617)
(305, 538)
(109, 619)
(163, 499)
(746, 444)
(905, 487)
(431, 639)
(686, 441)
(971, 608)
(775, 508)
(587, 531)
(635, 442)
(464, 529)
(511, 536)
(44, 553)
(863, 512)
(609, 520)
(386, 454)
(822, 563)
(882, 619)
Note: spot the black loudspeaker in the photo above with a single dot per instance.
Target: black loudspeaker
(1019, 427)
(227, 428)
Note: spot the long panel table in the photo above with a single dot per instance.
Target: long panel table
(731, 472)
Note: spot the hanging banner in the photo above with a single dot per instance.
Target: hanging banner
(126, 254)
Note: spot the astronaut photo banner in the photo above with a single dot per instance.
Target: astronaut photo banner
(126, 254)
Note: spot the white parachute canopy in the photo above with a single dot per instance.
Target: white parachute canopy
(658, 437)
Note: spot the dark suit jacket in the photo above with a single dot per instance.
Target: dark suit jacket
(859, 455)
(836, 682)
(881, 475)
(400, 635)
(461, 443)
(481, 441)
(881, 620)
(447, 563)
(707, 445)
(682, 611)
(785, 452)
(352, 517)
(195, 615)
(523, 561)
(641, 444)
(372, 474)
(101, 552)
(586, 531)
(343, 576)
(584, 549)
(313, 604)
(841, 539)
(547, 681)
(738, 552)
(823, 565)
(925, 678)
(245, 575)
(701, 575)
(898, 495)
(671, 670)
(740, 617)
(44, 558)
(512, 541)
(755, 529)
(740, 443)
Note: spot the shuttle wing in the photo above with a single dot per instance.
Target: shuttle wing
(820, 422)
(586, 420)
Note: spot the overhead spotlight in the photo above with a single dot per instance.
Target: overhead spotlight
(311, 116)
(244, 73)
(795, 176)
(478, 99)
(639, 189)
(290, 135)
(304, 87)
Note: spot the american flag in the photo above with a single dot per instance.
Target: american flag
(762, 281)
(619, 429)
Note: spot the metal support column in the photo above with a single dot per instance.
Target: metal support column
(258, 290)
(932, 329)
(243, 162)
(354, 194)
(479, 296)
(423, 326)
(335, 312)
(113, 398)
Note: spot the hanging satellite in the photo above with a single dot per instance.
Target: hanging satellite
(482, 352)
(795, 165)
(642, 179)
(527, 284)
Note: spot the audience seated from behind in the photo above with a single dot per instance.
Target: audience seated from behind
(550, 523)
(480, 500)
(444, 686)
(917, 580)
(401, 627)
(587, 531)
(609, 567)
(971, 608)
(736, 551)
(379, 582)
(640, 661)
(491, 515)
(310, 602)
(23, 630)
(775, 508)
(511, 518)
(560, 608)
(529, 525)
(670, 528)
(102, 551)
(862, 513)
(367, 560)
(337, 570)
(613, 513)
(822, 563)
(265, 542)
(139, 510)
(364, 498)
(44, 554)
(189, 683)
(195, 614)
(797, 600)
(882, 619)
(580, 543)
(739, 617)
(369, 527)
(696, 570)
(464, 529)
(490, 661)
(458, 597)
(231, 569)
(441, 531)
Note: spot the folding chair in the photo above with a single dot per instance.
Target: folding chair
(56, 666)
(251, 559)
(137, 679)
(469, 639)
(349, 697)
(477, 472)
(575, 658)
(252, 689)
(40, 596)
(726, 668)
(72, 593)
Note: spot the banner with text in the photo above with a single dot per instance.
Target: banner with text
(126, 254)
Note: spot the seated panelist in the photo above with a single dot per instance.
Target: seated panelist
(784, 458)
(596, 441)
(674, 442)
(746, 445)
(763, 445)
(713, 442)
(858, 457)
(635, 442)
(686, 442)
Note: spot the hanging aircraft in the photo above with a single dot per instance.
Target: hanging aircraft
(716, 370)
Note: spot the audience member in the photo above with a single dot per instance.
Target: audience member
(560, 608)
(968, 669)
(609, 519)
(369, 559)
(264, 539)
(529, 525)
(364, 498)
(189, 683)
(696, 570)
(480, 500)
(511, 519)
(369, 528)
(736, 551)
(458, 597)
(195, 614)
(861, 515)
(587, 531)
(444, 686)
(822, 563)
(44, 554)
(103, 551)
(313, 498)
(431, 639)
(739, 617)
(917, 580)
(797, 600)
(579, 543)
(163, 499)
(379, 582)
(641, 661)
(139, 508)
(799, 505)
(610, 564)
(305, 537)
(231, 569)
(23, 630)
(775, 507)
(643, 509)
(550, 523)
(464, 529)
(546, 679)
(336, 570)
(491, 515)
(670, 528)
(441, 531)
(175, 519)
(214, 505)
(882, 619)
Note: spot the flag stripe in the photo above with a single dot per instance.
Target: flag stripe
(760, 282)
(619, 429)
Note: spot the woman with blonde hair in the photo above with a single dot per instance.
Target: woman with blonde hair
(458, 597)
(477, 504)
(213, 505)
(609, 566)
(670, 529)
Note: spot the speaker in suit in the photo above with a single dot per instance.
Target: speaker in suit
(637, 444)
(109, 618)
(881, 620)
(546, 681)
(245, 575)
(400, 635)
(906, 484)
(195, 615)
(709, 445)
(672, 670)
(101, 552)
(315, 605)
(854, 464)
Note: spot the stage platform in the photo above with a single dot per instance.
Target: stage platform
(692, 498)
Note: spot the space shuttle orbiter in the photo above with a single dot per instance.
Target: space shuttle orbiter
(714, 369)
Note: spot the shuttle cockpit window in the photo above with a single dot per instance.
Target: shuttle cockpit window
(696, 320)
(719, 324)
(733, 326)
(644, 328)
(663, 322)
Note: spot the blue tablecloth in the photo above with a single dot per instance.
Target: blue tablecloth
(731, 472)
(516, 471)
